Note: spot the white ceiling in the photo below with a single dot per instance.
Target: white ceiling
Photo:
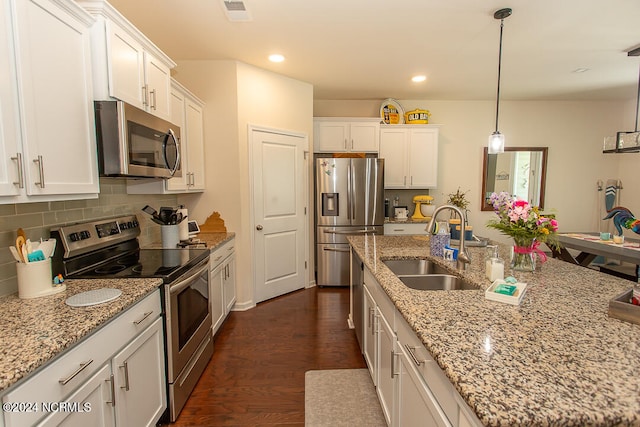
(369, 49)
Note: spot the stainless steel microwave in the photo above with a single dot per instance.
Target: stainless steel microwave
(134, 143)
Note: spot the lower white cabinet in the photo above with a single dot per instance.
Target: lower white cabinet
(222, 283)
(138, 376)
(411, 387)
(116, 376)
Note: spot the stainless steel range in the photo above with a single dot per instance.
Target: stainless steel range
(109, 248)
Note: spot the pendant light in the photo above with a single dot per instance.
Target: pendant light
(496, 139)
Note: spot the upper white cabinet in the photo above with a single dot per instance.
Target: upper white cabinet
(47, 132)
(127, 65)
(335, 135)
(187, 111)
(411, 156)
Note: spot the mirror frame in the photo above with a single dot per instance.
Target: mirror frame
(543, 174)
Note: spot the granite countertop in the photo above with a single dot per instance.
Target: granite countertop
(215, 240)
(555, 360)
(34, 331)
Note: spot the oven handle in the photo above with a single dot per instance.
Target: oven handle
(177, 287)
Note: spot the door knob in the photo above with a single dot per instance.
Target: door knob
(259, 227)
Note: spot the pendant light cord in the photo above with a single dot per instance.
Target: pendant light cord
(499, 69)
(638, 102)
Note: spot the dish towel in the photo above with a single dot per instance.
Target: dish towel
(611, 194)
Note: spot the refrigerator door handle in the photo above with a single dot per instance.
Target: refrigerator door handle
(335, 250)
(363, 231)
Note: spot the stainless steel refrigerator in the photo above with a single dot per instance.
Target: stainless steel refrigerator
(349, 200)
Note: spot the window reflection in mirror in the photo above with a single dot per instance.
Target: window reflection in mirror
(520, 171)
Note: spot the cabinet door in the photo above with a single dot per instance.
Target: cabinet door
(393, 149)
(331, 137)
(386, 369)
(194, 129)
(416, 404)
(140, 382)
(369, 338)
(10, 149)
(217, 298)
(55, 88)
(94, 408)
(423, 158)
(229, 283)
(364, 137)
(158, 80)
(178, 102)
(126, 56)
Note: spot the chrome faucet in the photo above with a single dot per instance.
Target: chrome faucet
(463, 255)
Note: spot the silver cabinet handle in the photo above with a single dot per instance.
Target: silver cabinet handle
(404, 180)
(371, 310)
(125, 366)
(83, 365)
(40, 171)
(145, 90)
(259, 227)
(412, 355)
(393, 364)
(18, 159)
(345, 143)
(112, 402)
(152, 97)
(352, 143)
(335, 250)
(144, 316)
(411, 179)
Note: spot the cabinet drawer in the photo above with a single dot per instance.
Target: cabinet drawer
(428, 368)
(400, 228)
(56, 380)
(383, 302)
(222, 253)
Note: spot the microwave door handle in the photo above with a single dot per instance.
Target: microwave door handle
(172, 135)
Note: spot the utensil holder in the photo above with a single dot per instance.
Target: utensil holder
(36, 280)
(170, 235)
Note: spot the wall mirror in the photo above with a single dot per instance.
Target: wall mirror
(520, 171)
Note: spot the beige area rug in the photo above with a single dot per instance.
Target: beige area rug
(341, 397)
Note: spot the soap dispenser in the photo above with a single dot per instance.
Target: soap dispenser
(494, 265)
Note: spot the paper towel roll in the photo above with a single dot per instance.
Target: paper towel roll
(184, 225)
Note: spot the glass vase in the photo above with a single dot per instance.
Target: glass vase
(523, 254)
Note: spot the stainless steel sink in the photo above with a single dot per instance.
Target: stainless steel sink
(436, 282)
(424, 275)
(411, 267)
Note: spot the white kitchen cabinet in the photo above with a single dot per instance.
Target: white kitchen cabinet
(369, 339)
(126, 64)
(92, 397)
(48, 133)
(411, 156)
(187, 111)
(335, 135)
(411, 387)
(135, 336)
(392, 228)
(139, 376)
(222, 282)
(385, 353)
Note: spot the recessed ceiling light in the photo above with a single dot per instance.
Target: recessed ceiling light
(276, 57)
(418, 79)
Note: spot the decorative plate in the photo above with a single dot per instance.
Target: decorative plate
(391, 112)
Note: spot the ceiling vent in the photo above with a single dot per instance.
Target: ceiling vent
(236, 11)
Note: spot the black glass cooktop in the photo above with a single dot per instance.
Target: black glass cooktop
(168, 264)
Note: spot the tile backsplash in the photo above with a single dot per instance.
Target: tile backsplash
(37, 219)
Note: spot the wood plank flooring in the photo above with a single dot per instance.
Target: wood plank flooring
(256, 374)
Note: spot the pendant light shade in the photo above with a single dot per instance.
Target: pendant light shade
(496, 139)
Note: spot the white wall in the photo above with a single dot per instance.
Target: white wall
(236, 96)
(573, 131)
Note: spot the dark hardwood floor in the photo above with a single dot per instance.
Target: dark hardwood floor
(256, 374)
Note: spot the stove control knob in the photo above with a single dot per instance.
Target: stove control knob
(74, 237)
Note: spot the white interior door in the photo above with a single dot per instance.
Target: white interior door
(279, 203)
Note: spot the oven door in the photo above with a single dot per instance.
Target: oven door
(188, 317)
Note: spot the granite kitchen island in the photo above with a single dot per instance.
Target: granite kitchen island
(555, 360)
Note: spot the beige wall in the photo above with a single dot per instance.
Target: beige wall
(237, 96)
(573, 131)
